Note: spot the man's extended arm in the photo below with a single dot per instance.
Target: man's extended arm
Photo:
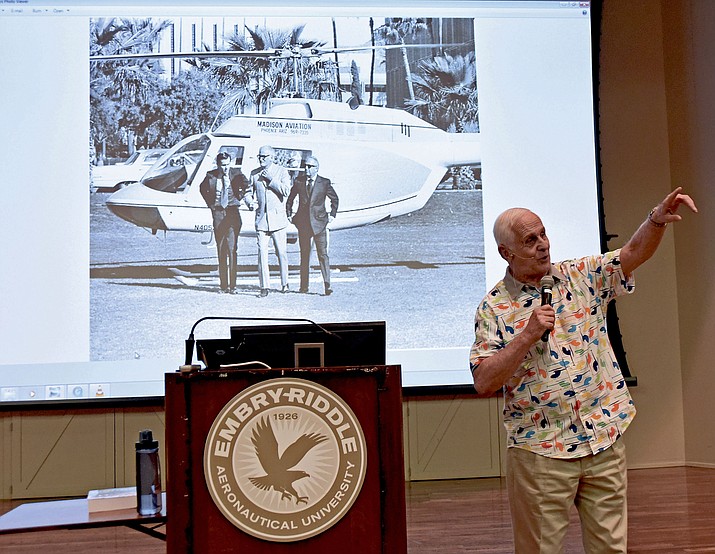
(644, 242)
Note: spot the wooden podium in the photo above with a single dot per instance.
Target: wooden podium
(284, 434)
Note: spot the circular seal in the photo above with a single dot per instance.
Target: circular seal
(285, 459)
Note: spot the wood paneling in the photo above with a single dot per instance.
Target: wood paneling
(453, 438)
(59, 453)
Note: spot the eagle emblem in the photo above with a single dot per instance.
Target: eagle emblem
(280, 474)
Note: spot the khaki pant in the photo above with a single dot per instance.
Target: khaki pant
(542, 491)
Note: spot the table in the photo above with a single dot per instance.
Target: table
(74, 514)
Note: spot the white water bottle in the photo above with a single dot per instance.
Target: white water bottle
(148, 475)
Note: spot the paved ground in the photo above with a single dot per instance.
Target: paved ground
(422, 273)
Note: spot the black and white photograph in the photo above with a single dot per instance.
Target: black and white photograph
(384, 111)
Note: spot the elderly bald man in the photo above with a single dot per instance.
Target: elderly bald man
(566, 404)
(270, 185)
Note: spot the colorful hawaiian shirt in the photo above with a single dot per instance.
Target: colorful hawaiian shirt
(568, 398)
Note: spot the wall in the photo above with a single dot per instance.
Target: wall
(690, 90)
(67, 452)
(657, 132)
(636, 176)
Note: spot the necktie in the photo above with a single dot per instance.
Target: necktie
(224, 192)
(309, 185)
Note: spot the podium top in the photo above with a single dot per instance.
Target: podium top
(195, 372)
(298, 345)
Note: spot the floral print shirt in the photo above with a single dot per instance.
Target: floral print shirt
(568, 398)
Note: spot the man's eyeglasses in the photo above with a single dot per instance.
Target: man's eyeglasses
(263, 156)
(310, 165)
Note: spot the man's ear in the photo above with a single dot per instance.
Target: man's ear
(504, 252)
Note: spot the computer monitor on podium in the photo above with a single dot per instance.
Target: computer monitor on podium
(298, 345)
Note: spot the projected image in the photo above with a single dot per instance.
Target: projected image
(426, 127)
(384, 109)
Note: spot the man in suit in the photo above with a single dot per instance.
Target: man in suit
(270, 185)
(312, 218)
(223, 190)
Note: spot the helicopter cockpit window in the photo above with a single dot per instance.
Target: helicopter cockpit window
(293, 160)
(177, 169)
(236, 153)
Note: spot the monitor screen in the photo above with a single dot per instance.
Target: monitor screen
(298, 345)
(428, 118)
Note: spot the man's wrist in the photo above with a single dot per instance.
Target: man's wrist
(653, 222)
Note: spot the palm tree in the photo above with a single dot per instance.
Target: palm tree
(122, 85)
(394, 31)
(355, 84)
(446, 90)
(125, 36)
(255, 80)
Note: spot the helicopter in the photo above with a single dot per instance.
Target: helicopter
(383, 162)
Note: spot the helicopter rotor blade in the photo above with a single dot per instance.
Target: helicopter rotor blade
(321, 51)
(276, 53)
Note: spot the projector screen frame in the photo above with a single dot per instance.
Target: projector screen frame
(595, 9)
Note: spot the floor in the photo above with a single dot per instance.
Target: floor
(671, 510)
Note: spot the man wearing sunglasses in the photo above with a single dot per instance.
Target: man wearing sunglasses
(312, 218)
(223, 190)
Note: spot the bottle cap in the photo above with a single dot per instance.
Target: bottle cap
(146, 441)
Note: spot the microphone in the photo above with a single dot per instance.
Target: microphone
(189, 350)
(523, 257)
(547, 284)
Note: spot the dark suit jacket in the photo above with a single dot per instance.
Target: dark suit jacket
(311, 212)
(207, 188)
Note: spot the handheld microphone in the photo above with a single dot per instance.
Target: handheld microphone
(547, 285)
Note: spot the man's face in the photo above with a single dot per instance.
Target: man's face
(265, 157)
(529, 255)
(311, 167)
(223, 166)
